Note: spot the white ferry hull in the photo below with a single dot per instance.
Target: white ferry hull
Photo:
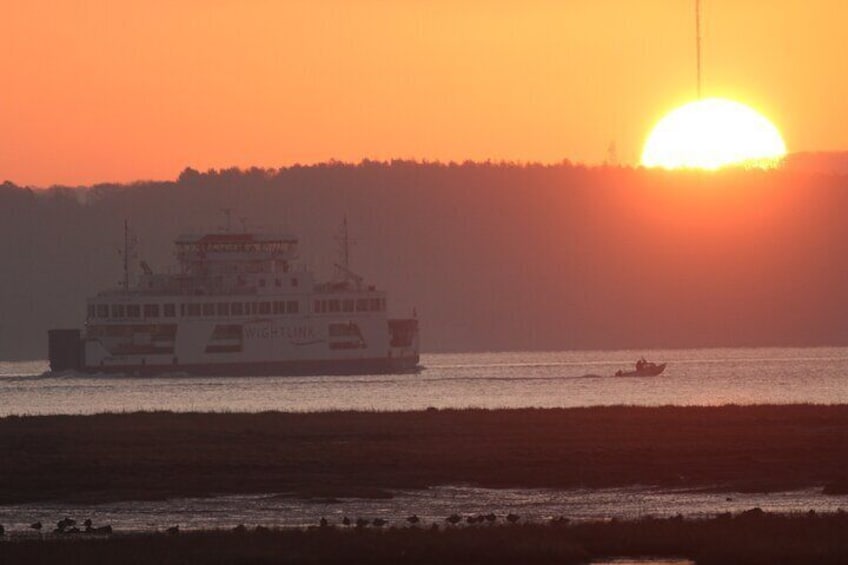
(255, 347)
(268, 368)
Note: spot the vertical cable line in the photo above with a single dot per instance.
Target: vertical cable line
(698, 43)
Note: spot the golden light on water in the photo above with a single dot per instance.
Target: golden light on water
(713, 133)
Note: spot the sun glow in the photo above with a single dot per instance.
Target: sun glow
(713, 133)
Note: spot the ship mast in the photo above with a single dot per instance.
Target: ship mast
(129, 252)
(344, 244)
(126, 257)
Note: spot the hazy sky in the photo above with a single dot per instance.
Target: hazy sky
(96, 91)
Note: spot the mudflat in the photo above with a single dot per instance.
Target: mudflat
(160, 454)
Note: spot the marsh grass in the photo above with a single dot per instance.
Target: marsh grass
(162, 454)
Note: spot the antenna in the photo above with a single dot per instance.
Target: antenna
(126, 257)
(344, 245)
(344, 248)
(698, 43)
(228, 213)
(130, 251)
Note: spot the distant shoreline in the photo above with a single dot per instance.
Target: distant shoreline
(159, 455)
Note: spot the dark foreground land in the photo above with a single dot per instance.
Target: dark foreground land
(154, 455)
(751, 537)
(157, 455)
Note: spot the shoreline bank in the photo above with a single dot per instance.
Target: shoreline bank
(751, 537)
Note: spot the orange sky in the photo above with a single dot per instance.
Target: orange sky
(97, 91)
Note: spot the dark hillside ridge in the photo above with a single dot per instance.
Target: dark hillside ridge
(493, 256)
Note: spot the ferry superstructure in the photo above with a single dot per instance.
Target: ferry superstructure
(238, 304)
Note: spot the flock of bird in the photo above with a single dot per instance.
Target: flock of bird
(69, 525)
(452, 520)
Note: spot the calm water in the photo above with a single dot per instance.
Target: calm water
(490, 380)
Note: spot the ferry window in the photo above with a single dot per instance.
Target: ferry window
(316, 306)
(334, 305)
(253, 308)
(323, 306)
(117, 310)
(182, 310)
(209, 309)
(279, 307)
(102, 310)
(194, 309)
(151, 310)
(347, 305)
(262, 283)
(361, 304)
(133, 311)
(292, 306)
(294, 281)
(278, 282)
(91, 310)
(264, 307)
(236, 309)
(375, 304)
(223, 309)
(170, 310)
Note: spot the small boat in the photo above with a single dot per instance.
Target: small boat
(643, 369)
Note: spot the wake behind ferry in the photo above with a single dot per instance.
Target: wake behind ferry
(238, 304)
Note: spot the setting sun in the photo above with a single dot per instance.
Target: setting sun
(713, 133)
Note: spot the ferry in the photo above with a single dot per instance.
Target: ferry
(239, 303)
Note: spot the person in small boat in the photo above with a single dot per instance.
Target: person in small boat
(641, 364)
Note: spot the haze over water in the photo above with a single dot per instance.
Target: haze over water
(698, 377)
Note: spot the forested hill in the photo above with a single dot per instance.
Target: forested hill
(492, 256)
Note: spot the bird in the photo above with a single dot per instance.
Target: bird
(512, 518)
(322, 522)
(2, 530)
(346, 521)
(64, 524)
(87, 523)
(361, 522)
(36, 526)
(173, 530)
(379, 522)
(414, 519)
(490, 517)
(454, 519)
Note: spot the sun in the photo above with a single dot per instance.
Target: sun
(713, 133)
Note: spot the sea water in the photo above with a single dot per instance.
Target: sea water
(694, 377)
